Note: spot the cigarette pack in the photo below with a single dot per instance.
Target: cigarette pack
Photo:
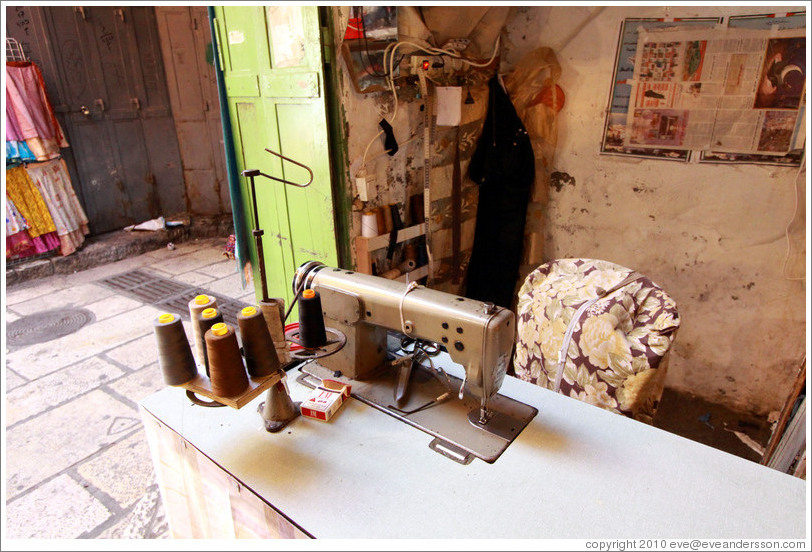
(325, 400)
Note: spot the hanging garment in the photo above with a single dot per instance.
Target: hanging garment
(18, 152)
(15, 222)
(18, 242)
(19, 246)
(13, 131)
(29, 104)
(29, 201)
(503, 166)
(53, 182)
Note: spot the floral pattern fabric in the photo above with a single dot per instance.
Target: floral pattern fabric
(617, 354)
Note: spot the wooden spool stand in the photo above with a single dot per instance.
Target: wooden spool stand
(201, 385)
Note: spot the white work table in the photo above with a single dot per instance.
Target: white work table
(575, 471)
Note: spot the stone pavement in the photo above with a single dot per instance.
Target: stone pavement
(77, 460)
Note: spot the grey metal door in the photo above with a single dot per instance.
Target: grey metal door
(114, 107)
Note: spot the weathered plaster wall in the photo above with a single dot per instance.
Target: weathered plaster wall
(713, 236)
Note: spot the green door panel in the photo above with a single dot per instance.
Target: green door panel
(273, 71)
(294, 85)
(242, 85)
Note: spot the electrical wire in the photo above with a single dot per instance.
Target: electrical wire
(390, 50)
(801, 169)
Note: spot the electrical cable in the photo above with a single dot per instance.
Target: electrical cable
(801, 169)
(390, 51)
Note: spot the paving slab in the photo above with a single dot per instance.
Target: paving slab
(164, 253)
(10, 317)
(77, 296)
(122, 471)
(59, 438)
(112, 269)
(139, 352)
(146, 520)
(13, 380)
(31, 290)
(249, 297)
(221, 269)
(140, 384)
(38, 360)
(59, 509)
(54, 389)
(191, 261)
(192, 279)
(111, 306)
(229, 287)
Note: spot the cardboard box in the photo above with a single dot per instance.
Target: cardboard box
(325, 400)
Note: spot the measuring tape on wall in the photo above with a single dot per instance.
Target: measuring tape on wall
(428, 140)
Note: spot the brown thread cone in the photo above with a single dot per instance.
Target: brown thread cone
(227, 373)
(258, 348)
(174, 353)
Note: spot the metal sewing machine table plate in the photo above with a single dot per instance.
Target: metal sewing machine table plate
(452, 422)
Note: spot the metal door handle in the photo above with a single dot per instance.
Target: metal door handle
(85, 111)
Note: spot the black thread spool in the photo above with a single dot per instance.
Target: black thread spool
(257, 346)
(311, 321)
(208, 318)
(196, 308)
(228, 377)
(174, 353)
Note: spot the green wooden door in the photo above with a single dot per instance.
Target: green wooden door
(272, 63)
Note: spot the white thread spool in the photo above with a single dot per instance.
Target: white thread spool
(369, 224)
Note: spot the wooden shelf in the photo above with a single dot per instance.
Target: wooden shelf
(365, 246)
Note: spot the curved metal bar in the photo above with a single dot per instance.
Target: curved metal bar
(305, 167)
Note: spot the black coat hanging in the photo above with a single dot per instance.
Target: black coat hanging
(503, 166)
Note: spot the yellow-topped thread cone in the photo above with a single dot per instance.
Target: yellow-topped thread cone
(166, 318)
(219, 329)
(249, 311)
(209, 313)
(202, 299)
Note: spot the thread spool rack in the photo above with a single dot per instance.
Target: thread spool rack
(201, 385)
(365, 246)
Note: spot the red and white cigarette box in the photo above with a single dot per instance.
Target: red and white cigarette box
(325, 400)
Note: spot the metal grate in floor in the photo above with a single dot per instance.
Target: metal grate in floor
(46, 325)
(168, 294)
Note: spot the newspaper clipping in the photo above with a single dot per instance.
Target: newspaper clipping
(718, 89)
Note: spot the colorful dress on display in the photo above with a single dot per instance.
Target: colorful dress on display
(31, 205)
(29, 108)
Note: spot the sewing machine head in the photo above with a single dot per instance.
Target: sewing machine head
(467, 417)
(479, 336)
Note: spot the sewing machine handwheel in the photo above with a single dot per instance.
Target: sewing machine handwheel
(334, 344)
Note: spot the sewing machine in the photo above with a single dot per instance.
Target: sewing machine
(467, 417)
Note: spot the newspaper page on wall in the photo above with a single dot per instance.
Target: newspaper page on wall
(763, 21)
(614, 136)
(736, 90)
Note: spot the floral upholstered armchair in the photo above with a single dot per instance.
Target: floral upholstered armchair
(596, 331)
